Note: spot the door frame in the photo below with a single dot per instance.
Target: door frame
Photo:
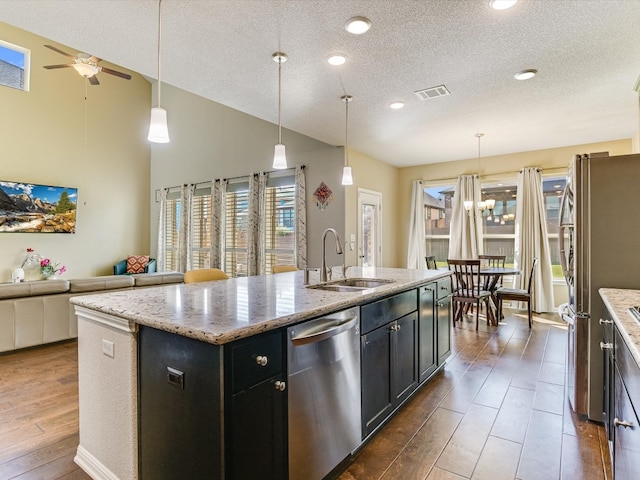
(370, 197)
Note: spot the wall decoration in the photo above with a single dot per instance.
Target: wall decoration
(322, 196)
(33, 208)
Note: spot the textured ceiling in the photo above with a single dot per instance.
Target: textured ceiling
(587, 53)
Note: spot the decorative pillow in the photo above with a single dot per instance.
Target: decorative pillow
(136, 263)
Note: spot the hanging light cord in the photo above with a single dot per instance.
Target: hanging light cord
(159, 44)
(346, 133)
(279, 100)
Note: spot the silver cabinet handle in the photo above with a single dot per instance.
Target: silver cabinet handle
(262, 360)
(279, 385)
(394, 328)
(605, 322)
(606, 346)
(621, 423)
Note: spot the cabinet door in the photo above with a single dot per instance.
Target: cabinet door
(626, 438)
(404, 369)
(377, 398)
(179, 407)
(426, 332)
(443, 312)
(257, 442)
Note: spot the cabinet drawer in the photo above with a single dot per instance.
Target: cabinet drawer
(444, 287)
(628, 367)
(255, 359)
(388, 309)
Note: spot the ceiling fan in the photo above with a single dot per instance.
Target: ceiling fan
(86, 65)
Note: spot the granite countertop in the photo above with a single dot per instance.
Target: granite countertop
(618, 301)
(223, 311)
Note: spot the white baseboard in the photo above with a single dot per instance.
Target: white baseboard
(92, 466)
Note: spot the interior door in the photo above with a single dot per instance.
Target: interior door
(369, 228)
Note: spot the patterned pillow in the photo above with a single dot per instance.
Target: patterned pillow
(136, 263)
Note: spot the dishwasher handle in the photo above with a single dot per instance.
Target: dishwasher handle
(304, 338)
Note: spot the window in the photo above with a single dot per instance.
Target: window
(280, 222)
(172, 223)
(14, 66)
(201, 228)
(235, 229)
(499, 224)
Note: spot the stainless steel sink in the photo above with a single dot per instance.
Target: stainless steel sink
(351, 284)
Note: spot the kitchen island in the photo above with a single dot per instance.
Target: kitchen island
(197, 341)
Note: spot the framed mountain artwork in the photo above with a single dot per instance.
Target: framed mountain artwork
(33, 208)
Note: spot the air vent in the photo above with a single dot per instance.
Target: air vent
(433, 92)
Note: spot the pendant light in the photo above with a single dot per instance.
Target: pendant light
(279, 157)
(482, 205)
(158, 130)
(347, 178)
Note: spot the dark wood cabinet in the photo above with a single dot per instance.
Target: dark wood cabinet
(427, 351)
(256, 440)
(182, 412)
(389, 356)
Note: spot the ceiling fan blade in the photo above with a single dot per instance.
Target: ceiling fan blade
(93, 80)
(60, 51)
(57, 66)
(116, 73)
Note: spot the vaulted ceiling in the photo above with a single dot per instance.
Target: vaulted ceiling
(587, 53)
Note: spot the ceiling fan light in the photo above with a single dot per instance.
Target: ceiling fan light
(347, 177)
(358, 25)
(158, 130)
(279, 157)
(86, 70)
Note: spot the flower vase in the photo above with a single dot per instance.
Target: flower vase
(17, 275)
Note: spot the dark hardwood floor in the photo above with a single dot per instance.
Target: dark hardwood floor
(497, 411)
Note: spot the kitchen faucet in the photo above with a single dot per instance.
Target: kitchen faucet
(323, 269)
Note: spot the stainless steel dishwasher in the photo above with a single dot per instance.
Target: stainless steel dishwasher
(324, 393)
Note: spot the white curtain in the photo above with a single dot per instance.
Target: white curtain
(256, 223)
(465, 235)
(161, 260)
(301, 218)
(416, 250)
(532, 241)
(184, 234)
(218, 191)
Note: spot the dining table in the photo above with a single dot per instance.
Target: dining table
(492, 276)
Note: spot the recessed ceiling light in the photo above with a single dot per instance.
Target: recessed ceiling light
(525, 74)
(336, 59)
(358, 25)
(502, 4)
(396, 105)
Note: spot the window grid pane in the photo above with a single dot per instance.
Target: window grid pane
(280, 233)
(235, 257)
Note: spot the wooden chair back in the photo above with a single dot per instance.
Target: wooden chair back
(493, 260)
(431, 262)
(204, 275)
(466, 277)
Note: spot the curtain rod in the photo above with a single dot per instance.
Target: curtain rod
(209, 183)
(498, 175)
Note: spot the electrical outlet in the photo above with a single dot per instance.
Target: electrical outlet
(108, 348)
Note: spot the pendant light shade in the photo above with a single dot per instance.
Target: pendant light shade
(279, 157)
(158, 129)
(347, 178)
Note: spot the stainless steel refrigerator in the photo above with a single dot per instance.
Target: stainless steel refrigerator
(599, 240)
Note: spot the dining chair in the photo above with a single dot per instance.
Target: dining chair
(283, 268)
(492, 261)
(431, 262)
(467, 288)
(517, 294)
(204, 275)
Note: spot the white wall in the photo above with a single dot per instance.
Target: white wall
(42, 140)
(209, 140)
